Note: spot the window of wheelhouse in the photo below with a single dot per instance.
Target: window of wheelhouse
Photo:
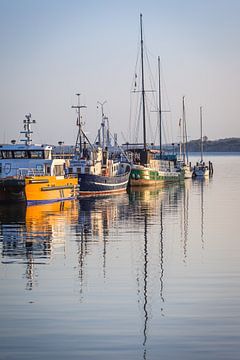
(20, 154)
(36, 154)
(7, 154)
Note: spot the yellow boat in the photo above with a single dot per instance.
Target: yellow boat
(29, 173)
(38, 189)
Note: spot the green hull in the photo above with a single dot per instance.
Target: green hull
(144, 176)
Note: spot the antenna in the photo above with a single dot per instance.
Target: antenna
(105, 138)
(78, 108)
(102, 104)
(27, 129)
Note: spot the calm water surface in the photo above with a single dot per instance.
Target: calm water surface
(144, 275)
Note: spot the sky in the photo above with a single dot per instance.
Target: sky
(53, 49)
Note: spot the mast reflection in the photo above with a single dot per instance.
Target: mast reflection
(149, 207)
(184, 217)
(201, 184)
(161, 256)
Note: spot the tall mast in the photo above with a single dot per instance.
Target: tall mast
(143, 90)
(181, 139)
(184, 129)
(160, 108)
(79, 125)
(201, 137)
(185, 134)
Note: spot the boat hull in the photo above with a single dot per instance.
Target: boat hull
(101, 185)
(38, 189)
(201, 171)
(143, 176)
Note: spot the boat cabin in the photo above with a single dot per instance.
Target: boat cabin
(27, 159)
(20, 160)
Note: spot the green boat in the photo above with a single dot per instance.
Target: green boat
(152, 167)
(152, 171)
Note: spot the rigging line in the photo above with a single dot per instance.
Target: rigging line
(135, 70)
(166, 98)
(138, 122)
(119, 146)
(150, 97)
(129, 120)
(149, 122)
(164, 133)
(137, 112)
(156, 131)
(151, 79)
(132, 121)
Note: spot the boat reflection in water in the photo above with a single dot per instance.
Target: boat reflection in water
(98, 220)
(97, 215)
(30, 235)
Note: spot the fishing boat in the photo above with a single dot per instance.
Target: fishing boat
(201, 169)
(152, 168)
(29, 173)
(100, 169)
(183, 162)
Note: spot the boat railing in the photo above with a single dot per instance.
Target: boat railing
(23, 172)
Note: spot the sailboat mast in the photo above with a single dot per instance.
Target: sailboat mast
(201, 137)
(184, 129)
(186, 135)
(160, 108)
(180, 135)
(143, 90)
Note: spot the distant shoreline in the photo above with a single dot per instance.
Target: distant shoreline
(221, 145)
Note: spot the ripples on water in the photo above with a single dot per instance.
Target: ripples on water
(143, 275)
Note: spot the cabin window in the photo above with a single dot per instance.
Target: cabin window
(20, 154)
(36, 154)
(48, 170)
(7, 154)
(70, 170)
(79, 170)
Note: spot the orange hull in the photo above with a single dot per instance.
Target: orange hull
(39, 189)
(50, 188)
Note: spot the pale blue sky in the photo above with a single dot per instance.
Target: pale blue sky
(52, 49)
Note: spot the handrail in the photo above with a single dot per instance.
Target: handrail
(22, 172)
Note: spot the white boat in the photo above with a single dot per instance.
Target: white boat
(201, 169)
(29, 173)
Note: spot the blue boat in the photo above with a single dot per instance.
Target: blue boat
(101, 168)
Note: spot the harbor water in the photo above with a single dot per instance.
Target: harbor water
(147, 274)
